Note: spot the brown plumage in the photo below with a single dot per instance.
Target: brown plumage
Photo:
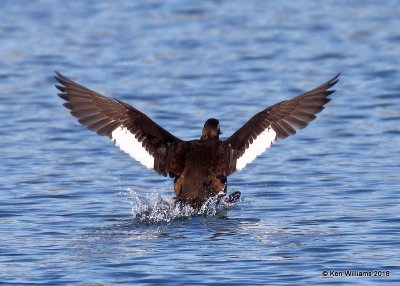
(199, 167)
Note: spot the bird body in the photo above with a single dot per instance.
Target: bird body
(199, 167)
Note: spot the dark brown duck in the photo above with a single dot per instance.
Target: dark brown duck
(199, 167)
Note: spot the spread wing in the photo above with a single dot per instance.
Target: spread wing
(275, 122)
(131, 130)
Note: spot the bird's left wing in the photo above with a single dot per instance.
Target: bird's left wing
(131, 130)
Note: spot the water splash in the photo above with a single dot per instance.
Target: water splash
(155, 208)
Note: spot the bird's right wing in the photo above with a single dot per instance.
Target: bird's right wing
(275, 122)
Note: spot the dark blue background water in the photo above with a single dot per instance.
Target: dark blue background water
(325, 199)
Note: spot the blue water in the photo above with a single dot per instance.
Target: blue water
(76, 210)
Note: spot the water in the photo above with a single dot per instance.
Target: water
(76, 210)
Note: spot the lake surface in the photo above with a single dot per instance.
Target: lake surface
(75, 210)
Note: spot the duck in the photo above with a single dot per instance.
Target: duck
(200, 167)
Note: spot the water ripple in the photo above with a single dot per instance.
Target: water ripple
(325, 199)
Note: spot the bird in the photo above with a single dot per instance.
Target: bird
(199, 167)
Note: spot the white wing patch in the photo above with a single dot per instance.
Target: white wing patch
(127, 142)
(259, 145)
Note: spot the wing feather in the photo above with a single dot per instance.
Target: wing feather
(131, 130)
(275, 122)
